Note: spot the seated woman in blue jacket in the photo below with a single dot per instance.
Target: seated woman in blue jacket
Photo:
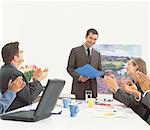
(7, 98)
(120, 93)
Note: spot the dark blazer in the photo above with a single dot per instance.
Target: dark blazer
(27, 94)
(146, 101)
(77, 59)
(130, 101)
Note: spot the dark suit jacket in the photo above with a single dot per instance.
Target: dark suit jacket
(130, 101)
(27, 94)
(146, 101)
(77, 59)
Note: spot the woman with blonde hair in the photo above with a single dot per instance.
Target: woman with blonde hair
(120, 93)
(144, 97)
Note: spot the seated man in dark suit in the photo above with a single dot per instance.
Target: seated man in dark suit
(12, 57)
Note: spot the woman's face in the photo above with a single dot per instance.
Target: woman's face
(131, 68)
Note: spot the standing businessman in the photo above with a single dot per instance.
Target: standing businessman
(81, 56)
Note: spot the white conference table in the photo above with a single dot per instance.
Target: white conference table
(100, 117)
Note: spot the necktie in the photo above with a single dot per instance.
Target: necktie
(88, 52)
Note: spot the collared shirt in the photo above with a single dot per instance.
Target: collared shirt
(146, 92)
(85, 47)
(140, 95)
(14, 66)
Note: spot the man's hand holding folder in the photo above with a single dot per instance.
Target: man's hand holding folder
(89, 71)
(83, 79)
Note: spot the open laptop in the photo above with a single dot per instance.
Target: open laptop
(45, 106)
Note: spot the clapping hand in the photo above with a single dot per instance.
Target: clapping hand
(111, 83)
(143, 80)
(129, 87)
(40, 74)
(83, 79)
(17, 85)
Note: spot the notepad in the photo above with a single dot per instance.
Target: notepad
(89, 71)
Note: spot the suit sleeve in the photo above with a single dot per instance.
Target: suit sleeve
(146, 100)
(71, 65)
(30, 92)
(6, 100)
(99, 64)
(125, 98)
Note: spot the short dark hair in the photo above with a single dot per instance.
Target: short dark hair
(91, 30)
(9, 51)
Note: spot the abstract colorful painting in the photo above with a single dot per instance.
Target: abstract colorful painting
(115, 57)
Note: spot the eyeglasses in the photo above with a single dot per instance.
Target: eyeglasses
(21, 51)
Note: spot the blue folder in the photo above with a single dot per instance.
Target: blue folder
(89, 71)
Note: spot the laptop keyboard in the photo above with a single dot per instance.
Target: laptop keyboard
(23, 114)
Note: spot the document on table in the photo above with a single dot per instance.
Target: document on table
(108, 113)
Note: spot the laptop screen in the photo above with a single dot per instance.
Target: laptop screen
(49, 97)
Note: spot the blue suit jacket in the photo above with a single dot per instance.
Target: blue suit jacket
(6, 99)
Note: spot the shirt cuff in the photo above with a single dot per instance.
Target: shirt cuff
(146, 92)
(139, 97)
(9, 93)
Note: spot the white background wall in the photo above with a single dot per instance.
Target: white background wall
(48, 30)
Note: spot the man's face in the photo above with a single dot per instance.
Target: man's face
(91, 39)
(20, 58)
